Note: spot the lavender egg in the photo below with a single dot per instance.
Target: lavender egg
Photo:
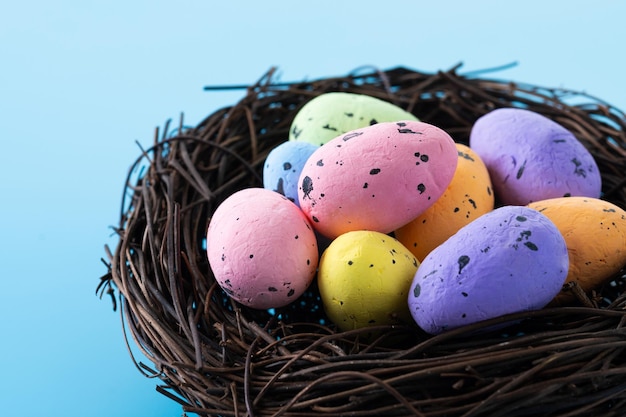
(283, 166)
(532, 158)
(512, 259)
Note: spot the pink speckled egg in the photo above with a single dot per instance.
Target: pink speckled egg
(261, 248)
(376, 178)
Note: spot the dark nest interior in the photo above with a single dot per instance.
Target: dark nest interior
(218, 358)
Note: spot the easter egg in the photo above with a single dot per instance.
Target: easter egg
(376, 178)
(595, 235)
(468, 196)
(510, 260)
(332, 114)
(283, 166)
(364, 279)
(261, 248)
(531, 157)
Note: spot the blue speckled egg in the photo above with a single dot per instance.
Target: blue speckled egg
(283, 166)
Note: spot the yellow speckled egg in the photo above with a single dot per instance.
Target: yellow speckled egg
(468, 196)
(595, 235)
(364, 279)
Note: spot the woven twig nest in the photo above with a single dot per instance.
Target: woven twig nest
(219, 358)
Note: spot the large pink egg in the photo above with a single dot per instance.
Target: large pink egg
(261, 248)
(376, 178)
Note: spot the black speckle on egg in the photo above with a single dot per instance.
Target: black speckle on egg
(365, 185)
(297, 237)
(329, 127)
(280, 189)
(251, 256)
(463, 261)
(307, 186)
(223, 257)
(464, 294)
(291, 292)
(456, 209)
(350, 262)
(579, 170)
(349, 114)
(567, 195)
(421, 188)
(520, 171)
(371, 265)
(417, 290)
(351, 135)
(403, 129)
(488, 190)
(320, 163)
(373, 122)
(465, 155)
(472, 202)
(308, 262)
(286, 166)
(315, 219)
(374, 171)
(521, 218)
(272, 289)
(296, 132)
(531, 246)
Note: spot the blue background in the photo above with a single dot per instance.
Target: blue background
(81, 81)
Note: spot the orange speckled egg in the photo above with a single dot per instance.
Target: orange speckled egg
(468, 196)
(595, 235)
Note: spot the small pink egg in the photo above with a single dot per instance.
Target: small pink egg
(261, 248)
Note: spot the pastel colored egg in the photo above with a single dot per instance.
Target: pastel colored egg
(283, 166)
(512, 259)
(468, 197)
(376, 178)
(531, 157)
(261, 248)
(364, 279)
(595, 235)
(332, 114)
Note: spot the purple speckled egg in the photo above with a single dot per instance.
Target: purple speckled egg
(261, 248)
(377, 178)
(532, 158)
(509, 260)
(283, 166)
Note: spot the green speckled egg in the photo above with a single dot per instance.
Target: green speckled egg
(332, 114)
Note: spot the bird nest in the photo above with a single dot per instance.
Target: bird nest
(219, 358)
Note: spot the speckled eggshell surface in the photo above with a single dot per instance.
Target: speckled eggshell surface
(532, 158)
(376, 178)
(332, 114)
(509, 260)
(595, 234)
(468, 196)
(261, 248)
(364, 279)
(283, 166)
